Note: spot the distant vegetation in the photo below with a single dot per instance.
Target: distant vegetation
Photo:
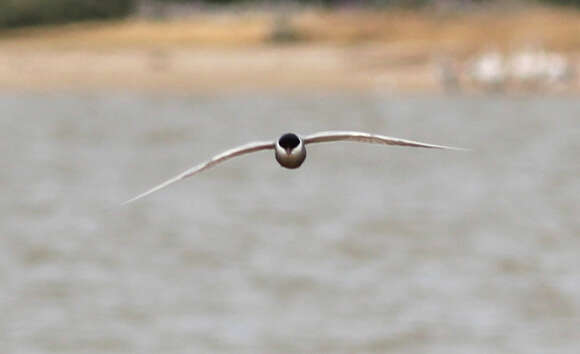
(406, 3)
(16, 13)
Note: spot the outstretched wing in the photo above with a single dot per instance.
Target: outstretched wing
(240, 150)
(328, 136)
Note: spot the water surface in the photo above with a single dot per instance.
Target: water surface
(364, 249)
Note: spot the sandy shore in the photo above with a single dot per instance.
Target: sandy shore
(402, 52)
(285, 68)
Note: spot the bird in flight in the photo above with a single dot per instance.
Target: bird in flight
(290, 151)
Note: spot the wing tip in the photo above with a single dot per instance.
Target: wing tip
(129, 201)
(454, 148)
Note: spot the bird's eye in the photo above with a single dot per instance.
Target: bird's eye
(289, 141)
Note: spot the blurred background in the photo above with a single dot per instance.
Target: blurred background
(364, 249)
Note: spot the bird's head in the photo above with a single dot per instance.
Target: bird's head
(290, 151)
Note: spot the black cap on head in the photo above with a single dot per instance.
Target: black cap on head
(289, 141)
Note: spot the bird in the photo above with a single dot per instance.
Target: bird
(290, 151)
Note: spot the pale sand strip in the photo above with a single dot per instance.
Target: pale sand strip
(208, 69)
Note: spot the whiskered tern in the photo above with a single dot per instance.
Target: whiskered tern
(290, 151)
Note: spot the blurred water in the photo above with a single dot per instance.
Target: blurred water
(364, 249)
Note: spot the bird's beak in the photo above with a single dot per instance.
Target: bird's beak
(288, 150)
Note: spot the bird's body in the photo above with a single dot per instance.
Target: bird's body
(290, 151)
